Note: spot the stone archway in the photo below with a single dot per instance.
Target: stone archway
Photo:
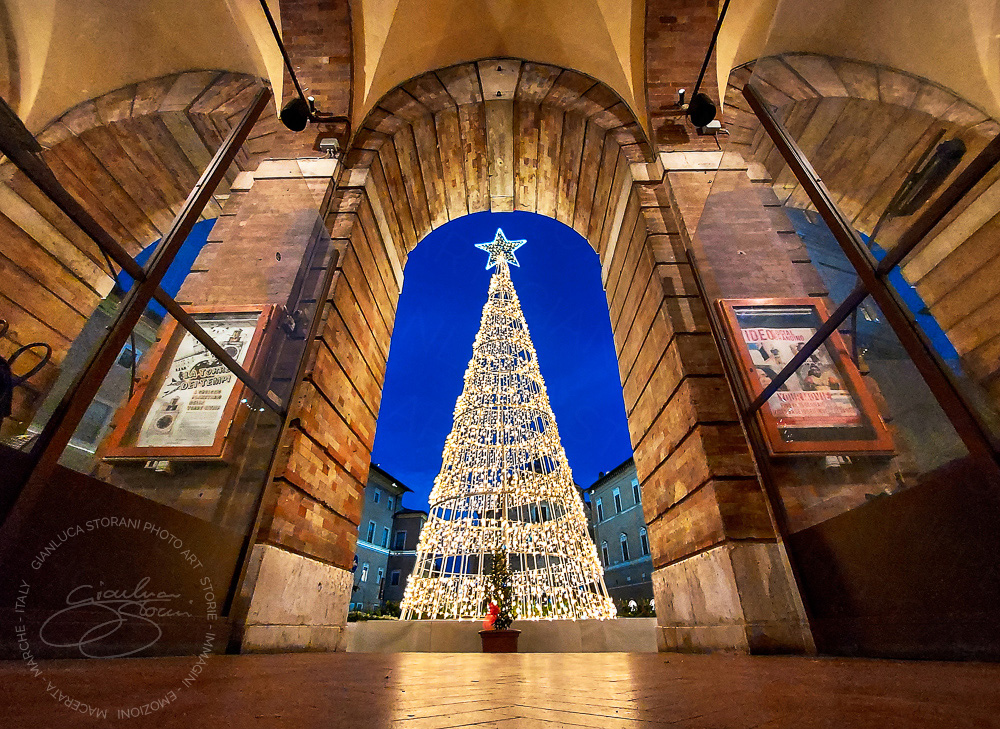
(503, 134)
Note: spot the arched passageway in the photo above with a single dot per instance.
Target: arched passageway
(500, 134)
(503, 134)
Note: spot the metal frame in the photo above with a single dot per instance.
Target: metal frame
(973, 172)
(20, 147)
(872, 275)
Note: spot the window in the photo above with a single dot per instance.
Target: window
(618, 501)
(364, 572)
(381, 574)
(371, 533)
(394, 577)
(635, 491)
(600, 511)
(643, 541)
(390, 503)
(604, 553)
(545, 512)
(92, 423)
(376, 495)
(624, 541)
(125, 358)
(400, 539)
(385, 536)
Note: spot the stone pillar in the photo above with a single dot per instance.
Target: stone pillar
(268, 247)
(720, 579)
(299, 584)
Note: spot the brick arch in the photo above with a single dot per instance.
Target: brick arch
(499, 135)
(839, 107)
(133, 155)
(423, 157)
(130, 157)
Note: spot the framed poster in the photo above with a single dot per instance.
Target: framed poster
(186, 400)
(825, 406)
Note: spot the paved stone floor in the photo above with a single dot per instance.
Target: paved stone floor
(541, 691)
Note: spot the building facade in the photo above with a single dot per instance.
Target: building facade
(403, 554)
(619, 530)
(383, 495)
(387, 540)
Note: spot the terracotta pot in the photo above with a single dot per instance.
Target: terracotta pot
(499, 641)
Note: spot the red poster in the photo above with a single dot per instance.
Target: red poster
(824, 406)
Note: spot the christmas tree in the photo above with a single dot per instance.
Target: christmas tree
(505, 485)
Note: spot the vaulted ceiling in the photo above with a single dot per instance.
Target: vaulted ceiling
(59, 53)
(55, 54)
(395, 40)
(955, 44)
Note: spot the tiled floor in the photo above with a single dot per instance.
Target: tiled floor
(435, 690)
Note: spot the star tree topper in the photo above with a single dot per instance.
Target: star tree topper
(501, 249)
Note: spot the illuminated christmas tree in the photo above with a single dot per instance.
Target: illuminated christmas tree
(505, 485)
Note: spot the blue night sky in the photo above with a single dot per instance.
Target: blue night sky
(444, 290)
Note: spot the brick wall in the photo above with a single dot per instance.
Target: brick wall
(677, 36)
(696, 472)
(318, 493)
(317, 35)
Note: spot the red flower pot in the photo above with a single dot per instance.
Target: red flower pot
(499, 641)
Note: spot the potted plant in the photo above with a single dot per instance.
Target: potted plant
(496, 634)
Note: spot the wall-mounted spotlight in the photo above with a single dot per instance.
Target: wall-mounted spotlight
(295, 114)
(701, 110)
(298, 112)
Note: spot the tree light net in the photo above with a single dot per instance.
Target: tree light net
(505, 484)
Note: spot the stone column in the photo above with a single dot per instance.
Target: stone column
(269, 243)
(721, 581)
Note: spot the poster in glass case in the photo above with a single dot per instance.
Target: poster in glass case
(825, 406)
(187, 399)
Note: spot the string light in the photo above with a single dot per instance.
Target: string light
(505, 483)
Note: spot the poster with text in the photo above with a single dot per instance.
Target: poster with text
(190, 404)
(815, 395)
(824, 405)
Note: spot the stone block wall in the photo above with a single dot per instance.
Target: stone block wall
(710, 532)
(271, 245)
(318, 491)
